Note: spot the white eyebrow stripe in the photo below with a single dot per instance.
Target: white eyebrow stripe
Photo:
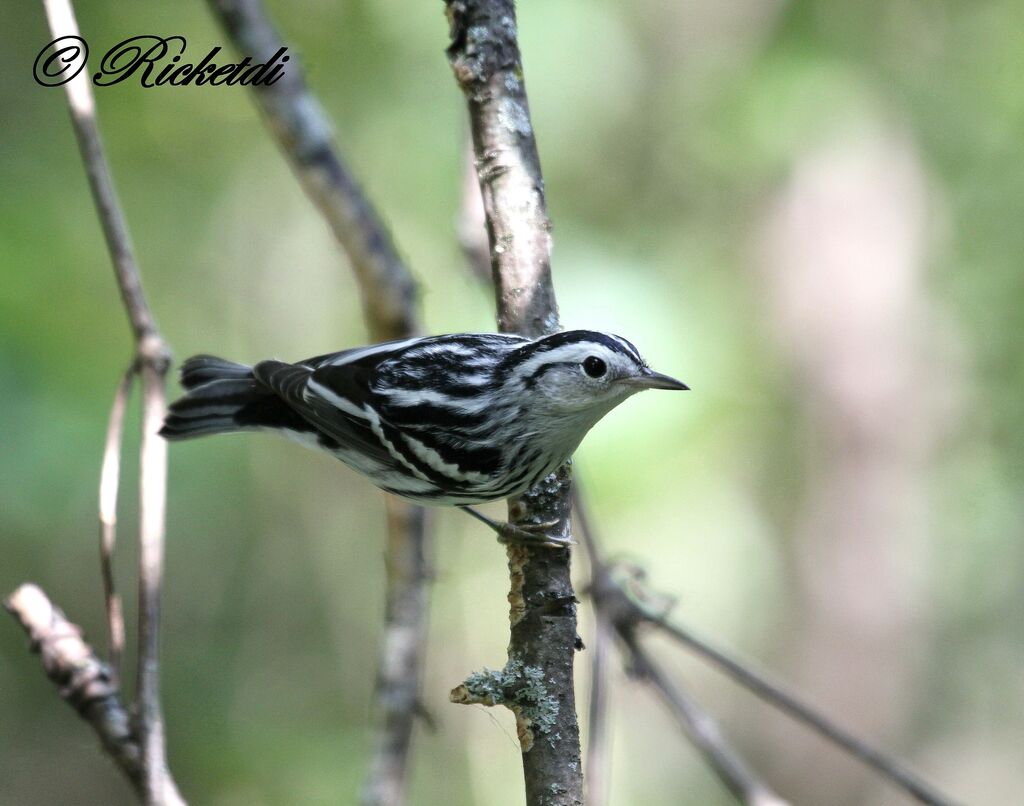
(563, 354)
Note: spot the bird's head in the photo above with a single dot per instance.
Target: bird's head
(585, 374)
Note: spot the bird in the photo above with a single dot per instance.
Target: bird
(451, 420)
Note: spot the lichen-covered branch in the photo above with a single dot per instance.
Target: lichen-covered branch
(305, 135)
(484, 55)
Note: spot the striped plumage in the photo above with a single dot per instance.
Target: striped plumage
(453, 420)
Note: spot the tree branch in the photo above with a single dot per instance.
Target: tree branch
(598, 737)
(305, 135)
(82, 679)
(701, 729)
(615, 609)
(484, 55)
(110, 477)
(627, 604)
(773, 693)
(151, 361)
(471, 223)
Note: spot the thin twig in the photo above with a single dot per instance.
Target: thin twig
(484, 55)
(403, 654)
(471, 224)
(702, 730)
(616, 609)
(598, 755)
(110, 477)
(152, 360)
(82, 679)
(625, 601)
(304, 133)
(773, 693)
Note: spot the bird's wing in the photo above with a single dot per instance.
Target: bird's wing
(364, 356)
(331, 399)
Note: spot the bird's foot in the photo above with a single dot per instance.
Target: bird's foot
(524, 534)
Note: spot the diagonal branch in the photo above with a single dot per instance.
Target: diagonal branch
(82, 679)
(701, 729)
(484, 55)
(616, 610)
(304, 133)
(628, 605)
(151, 361)
(775, 694)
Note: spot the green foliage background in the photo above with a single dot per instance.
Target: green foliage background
(665, 130)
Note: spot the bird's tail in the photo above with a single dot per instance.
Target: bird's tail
(220, 397)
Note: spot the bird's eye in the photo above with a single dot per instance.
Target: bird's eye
(594, 366)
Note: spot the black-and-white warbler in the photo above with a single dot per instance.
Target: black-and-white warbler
(445, 420)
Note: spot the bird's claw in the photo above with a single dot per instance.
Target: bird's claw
(532, 534)
(524, 534)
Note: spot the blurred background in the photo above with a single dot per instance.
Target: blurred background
(809, 211)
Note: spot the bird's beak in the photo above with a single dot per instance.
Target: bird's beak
(653, 380)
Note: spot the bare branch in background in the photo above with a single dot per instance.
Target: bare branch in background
(305, 135)
(403, 653)
(151, 362)
(471, 224)
(614, 608)
(598, 753)
(619, 594)
(775, 694)
(80, 676)
(537, 682)
(110, 478)
(701, 729)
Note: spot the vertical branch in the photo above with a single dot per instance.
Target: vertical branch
(615, 611)
(305, 135)
(110, 478)
(598, 758)
(152, 360)
(484, 56)
(471, 223)
(152, 516)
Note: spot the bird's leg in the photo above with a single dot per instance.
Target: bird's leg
(527, 534)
